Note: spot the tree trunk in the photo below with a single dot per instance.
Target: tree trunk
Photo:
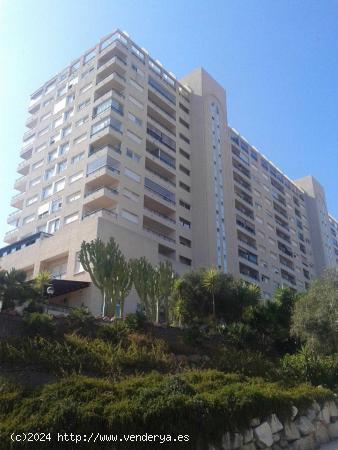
(213, 306)
(104, 304)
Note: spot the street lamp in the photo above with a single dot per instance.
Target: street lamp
(50, 292)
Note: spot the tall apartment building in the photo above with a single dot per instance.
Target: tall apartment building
(116, 146)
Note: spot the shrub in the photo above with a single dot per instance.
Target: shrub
(136, 322)
(39, 324)
(193, 335)
(82, 322)
(187, 404)
(249, 363)
(309, 367)
(115, 333)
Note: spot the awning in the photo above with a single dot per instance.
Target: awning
(62, 287)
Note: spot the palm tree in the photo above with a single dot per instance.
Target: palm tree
(42, 279)
(210, 281)
(13, 287)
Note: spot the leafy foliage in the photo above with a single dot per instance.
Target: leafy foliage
(13, 288)
(314, 320)
(39, 324)
(202, 404)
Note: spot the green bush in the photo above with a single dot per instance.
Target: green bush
(136, 322)
(114, 333)
(202, 404)
(92, 356)
(39, 324)
(249, 363)
(309, 367)
(81, 322)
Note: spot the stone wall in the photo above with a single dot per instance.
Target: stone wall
(307, 431)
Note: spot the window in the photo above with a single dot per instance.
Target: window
(78, 266)
(73, 197)
(129, 216)
(28, 219)
(68, 114)
(75, 159)
(62, 91)
(80, 138)
(184, 170)
(139, 71)
(184, 138)
(135, 102)
(184, 186)
(32, 200)
(185, 223)
(184, 108)
(184, 153)
(63, 149)
(133, 155)
(57, 122)
(43, 131)
(82, 121)
(34, 181)
(134, 137)
(66, 131)
(53, 226)
(184, 241)
(45, 116)
(83, 104)
(185, 260)
(56, 205)
(136, 85)
(62, 166)
(86, 88)
(136, 120)
(185, 205)
(184, 123)
(49, 173)
(37, 164)
(47, 191)
(70, 99)
(71, 218)
(77, 176)
(59, 185)
(131, 195)
(40, 148)
(43, 210)
(133, 175)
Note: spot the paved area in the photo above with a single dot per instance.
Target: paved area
(330, 446)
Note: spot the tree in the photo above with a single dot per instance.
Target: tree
(108, 270)
(144, 282)
(210, 282)
(41, 281)
(13, 288)
(165, 284)
(315, 315)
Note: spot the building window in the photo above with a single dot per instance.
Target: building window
(184, 260)
(32, 200)
(62, 166)
(34, 182)
(184, 186)
(77, 176)
(129, 216)
(59, 185)
(134, 137)
(136, 120)
(80, 138)
(56, 205)
(53, 225)
(185, 223)
(73, 197)
(184, 153)
(131, 195)
(47, 191)
(184, 241)
(133, 155)
(185, 205)
(83, 104)
(135, 102)
(71, 218)
(75, 159)
(133, 175)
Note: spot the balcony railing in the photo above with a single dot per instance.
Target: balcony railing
(100, 213)
(113, 191)
(162, 158)
(111, 168)
(163, 216)
(167, 180)
(162, 236)
(94, 151)
(161, 137)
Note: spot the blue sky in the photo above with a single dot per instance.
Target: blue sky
(277, 60)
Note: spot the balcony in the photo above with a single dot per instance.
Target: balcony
(17, 200)
(34, 106)
(109, 134)
(158, 191)
(243, 170)
(244, 210)
(243, 196)
(20, 183)
(288, 277)
(106, 95)
(159, 136)
(104, 213)
(161, 96)
(160, 236)
(102, 197)
(11, 236)
(31, 122)
(248, 226)
(158, 216)
(26, 152)
(114, 81)
(105, 151)
(116, 47)
(249, 272)
(160, 175)
(247, 240)
(161, 115)
(103, 176)
(13, 217)
(114, 64)
(243, 183)
(23, 167)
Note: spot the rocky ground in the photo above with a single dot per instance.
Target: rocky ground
(330, 446)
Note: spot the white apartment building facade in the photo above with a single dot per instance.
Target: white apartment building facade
(116, 146)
